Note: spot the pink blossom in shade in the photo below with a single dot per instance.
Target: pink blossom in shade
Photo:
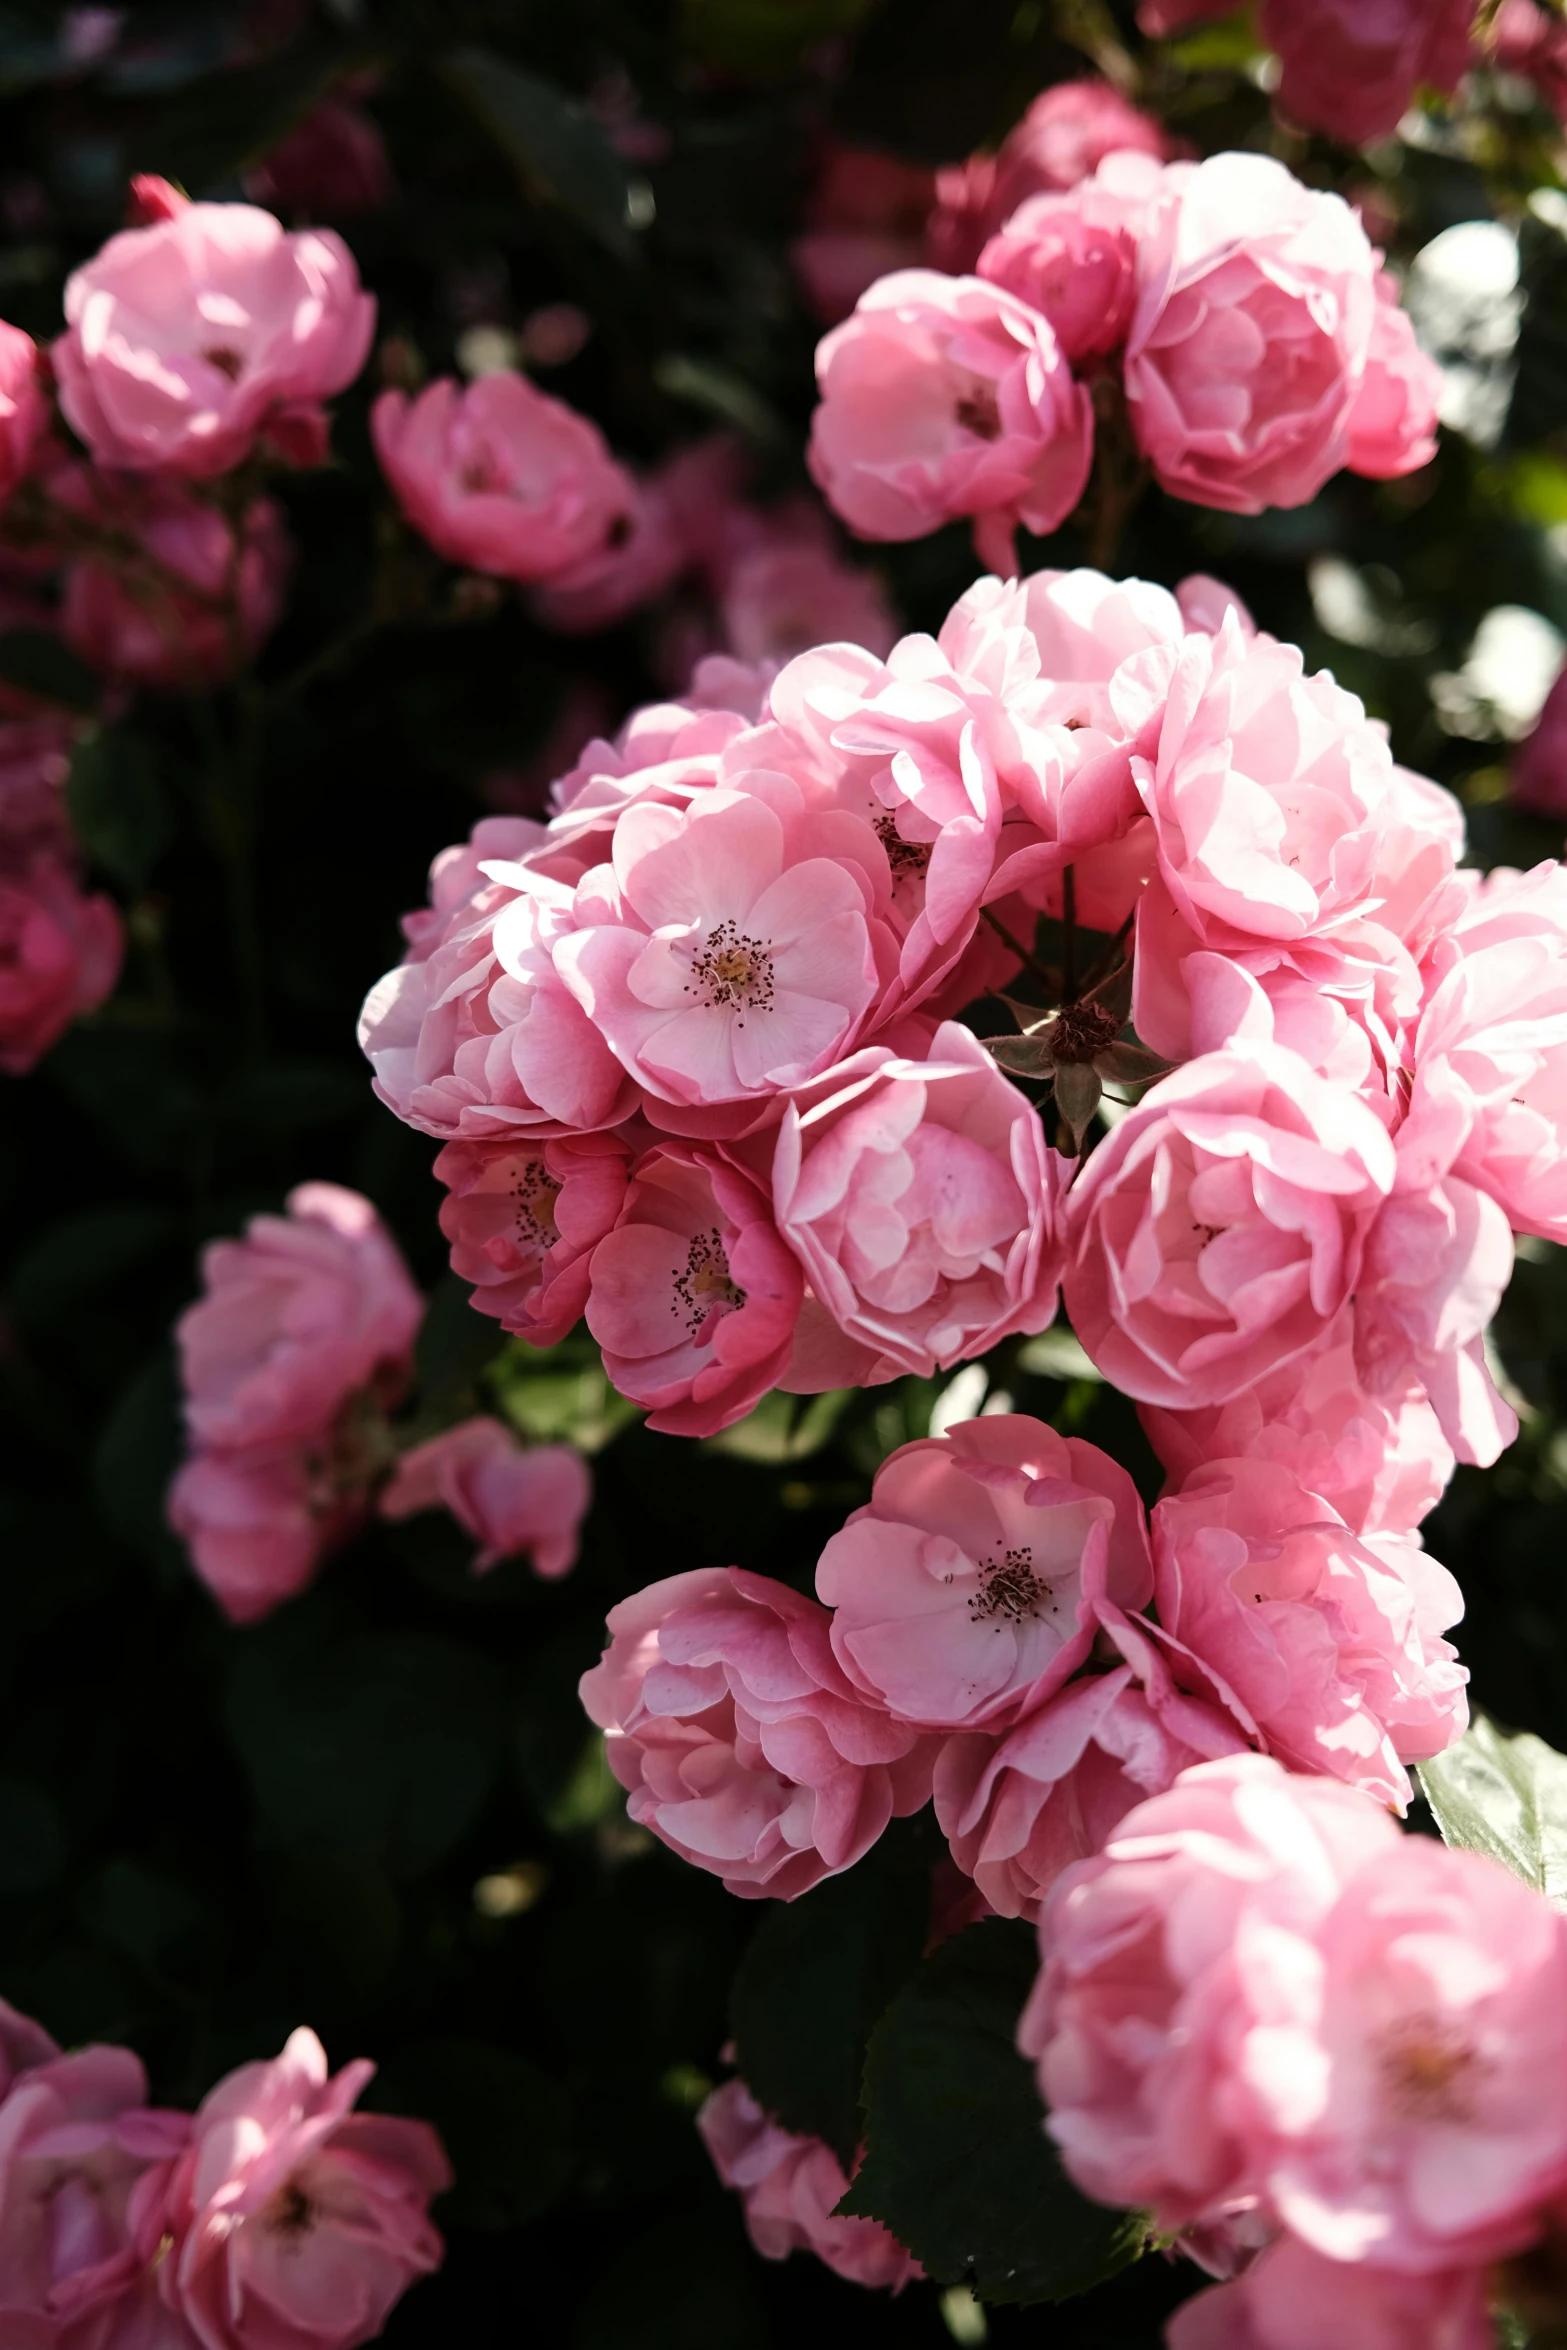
(1293, 2299)
(24, 2046)
(1353, 71)
(24, 411)
(35, 759)
(475, 1036)
(1287, 842)
(967, 1590)
(304, 1311)
(943, 397)
(1020, 1808)
(1392, 426)
(523, 1223)
(865, 219)
(923, 1203)
(1139, 2020)
(1435, 1266)
(187, 609)
(1159, 18)
(1256, 304)
(291, 2222)
(69, 2161)
(730, 949)
(1539, 773)
(332, 166)
(1529, 40)
(676, 518)
(1063, 138)
(1380, 1460)
(693, 1297)
(784, 588)
(187, 339)
(790, 2188)
(1073, 257)
(1326, 1645)
(501, 477)
(1408, 2071)
(1218, 1233)
(511, 1498)
(60, 956)
(741, 1743)
(259, 1519)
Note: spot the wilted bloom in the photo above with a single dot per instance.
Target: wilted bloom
(510, 1497)
(187, 339)
(943, 397)
(289, 2222)
(741, 1741)
(501, 477)
(968, 1588)
(790, 2187)
(1255, 310)
(693, 1297)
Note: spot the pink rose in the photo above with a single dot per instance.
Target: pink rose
(943, 397)
(1141, 2022)
(1288, 843)
(289, 2222)
(1392, 426)
(866, 219)
(693, 1297)
(968, 1589)
(509, 1497)
(24, 411)
(1255, 308)
(475, 1036)
(1381, 1460)
(790, 2188)
(1293, 2299)
(259, 1519)
(1540, 762)
(1218, 1232)
(500, 477)
(332, 166)
(187, 339)
(730, 949)
(922, 1201)
(1409, 2079)
(72, 2146)
(523, 1223)
(186, 611)
(304, 1311)
(1436, 1264)
(1323, 1644)
(60, 955)
(785, 589)
(1074, 256)
(742, 1744)
(1018, 1809)
(1064, 136)
(676, 513)
(1352, 71)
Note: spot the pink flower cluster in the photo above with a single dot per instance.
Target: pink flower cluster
(60, 949)
(1242, 319)
(978, 1636)
(790, 2188)
(1344, 69)
(273, 2218)
(291, 1360)
(1266, 2016)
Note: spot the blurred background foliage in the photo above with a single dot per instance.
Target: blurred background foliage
(382, 1812)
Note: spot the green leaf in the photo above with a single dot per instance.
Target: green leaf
(783, 1427)
(127, 1080)
(134, 1460)
(282, 1095)
(554, 144)
(32, 1838)
(222, 122)
(815, 1979)
(957, 2163)
(505, 2124)
(79, 1255)
(42, 663)
(1077, 1097)
(560, 1394)
(136, 1911)
(387, 1743)
(118, 803)
(1506, 1797)
(455, 1342)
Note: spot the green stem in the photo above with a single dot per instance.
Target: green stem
(1046, 978)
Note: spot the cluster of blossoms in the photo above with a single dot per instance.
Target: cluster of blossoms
(1348, 70)
(272, 2218)
(292, 1359)
(1322, 2053)
(60, 948)
(1238, 324)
